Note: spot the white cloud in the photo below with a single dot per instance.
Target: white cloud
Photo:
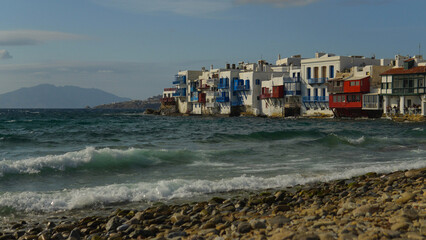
(182, 7)
(4, 54)
(33, 37)
(279, 3)
(197, 8)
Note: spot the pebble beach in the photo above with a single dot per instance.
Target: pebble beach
(371, 206)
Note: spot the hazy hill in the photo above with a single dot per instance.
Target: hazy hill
(152, 102)
(50, 96)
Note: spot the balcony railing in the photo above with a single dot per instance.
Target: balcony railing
(180, 92)
(292, 93)
(237, 103)
(194, 99)
(223, 86)
(169, 89)
(222, 99)
(315, 99)
(291, 79)
(265, 95)
(335, 89)
(193, 89)
(241, 88)
(317, 80)
(212, 81)
(179, 79)
(322, 98)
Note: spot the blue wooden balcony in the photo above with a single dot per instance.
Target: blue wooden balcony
(317, 80)
(323, 99)
(241, 88)
(194, 99)
(223, 86)
(179, 80)
(292, 93)
(237, 103)
(222, 99)
(181, 92)
(315, 99)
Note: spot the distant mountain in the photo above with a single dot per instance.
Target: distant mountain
(152, 102)
(50, 96)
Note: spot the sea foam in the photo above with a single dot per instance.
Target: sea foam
(177, 188)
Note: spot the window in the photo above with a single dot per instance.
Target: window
(331, 71)
(334, 98)
(257, 81)
(308, 73)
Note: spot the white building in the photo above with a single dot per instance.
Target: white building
(316, 71)
(404, 88)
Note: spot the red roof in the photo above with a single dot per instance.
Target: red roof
(400, 71)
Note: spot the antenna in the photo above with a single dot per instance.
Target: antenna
(419, 49)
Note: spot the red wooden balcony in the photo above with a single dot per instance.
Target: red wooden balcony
(345, 100)
(201, 97)
(357, 86)
(278, 91)
(265, 96)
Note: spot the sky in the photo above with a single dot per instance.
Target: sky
(133, 48)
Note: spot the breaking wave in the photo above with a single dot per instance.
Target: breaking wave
(95, 159)
(173, 189)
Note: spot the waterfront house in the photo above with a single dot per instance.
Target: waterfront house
(317, 71)
(356, 93)
(167, 97)
(404, 88)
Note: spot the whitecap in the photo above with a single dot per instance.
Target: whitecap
(180, 188)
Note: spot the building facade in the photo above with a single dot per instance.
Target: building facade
(403, 88)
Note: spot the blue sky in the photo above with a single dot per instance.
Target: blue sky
(133, 48)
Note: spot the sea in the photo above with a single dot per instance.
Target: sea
(84, 161)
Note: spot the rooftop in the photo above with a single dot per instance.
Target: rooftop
(400, 71)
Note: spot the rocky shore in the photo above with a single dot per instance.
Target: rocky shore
(372, 206)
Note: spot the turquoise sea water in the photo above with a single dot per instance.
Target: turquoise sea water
(54, 160)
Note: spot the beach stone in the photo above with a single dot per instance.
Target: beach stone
(50, 225)
(323, 223)
(283, 235)
(177, 234)
(43, 236)
(113, 223)
(400, 226)
(327, 236)
(281, 208)
(57, 236)
(74, 235)
(6, 237)
(257, 224)
(413, 173)
(64, 227)
(415, 236)
(390, 233)
(244, 227)
(113, 236)
(123, 227)
(364, 209)
(306, 236)
(347, 236)
(409, 213)
(278, 221)
(405, 197)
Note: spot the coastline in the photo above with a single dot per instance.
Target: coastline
(370, 206)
